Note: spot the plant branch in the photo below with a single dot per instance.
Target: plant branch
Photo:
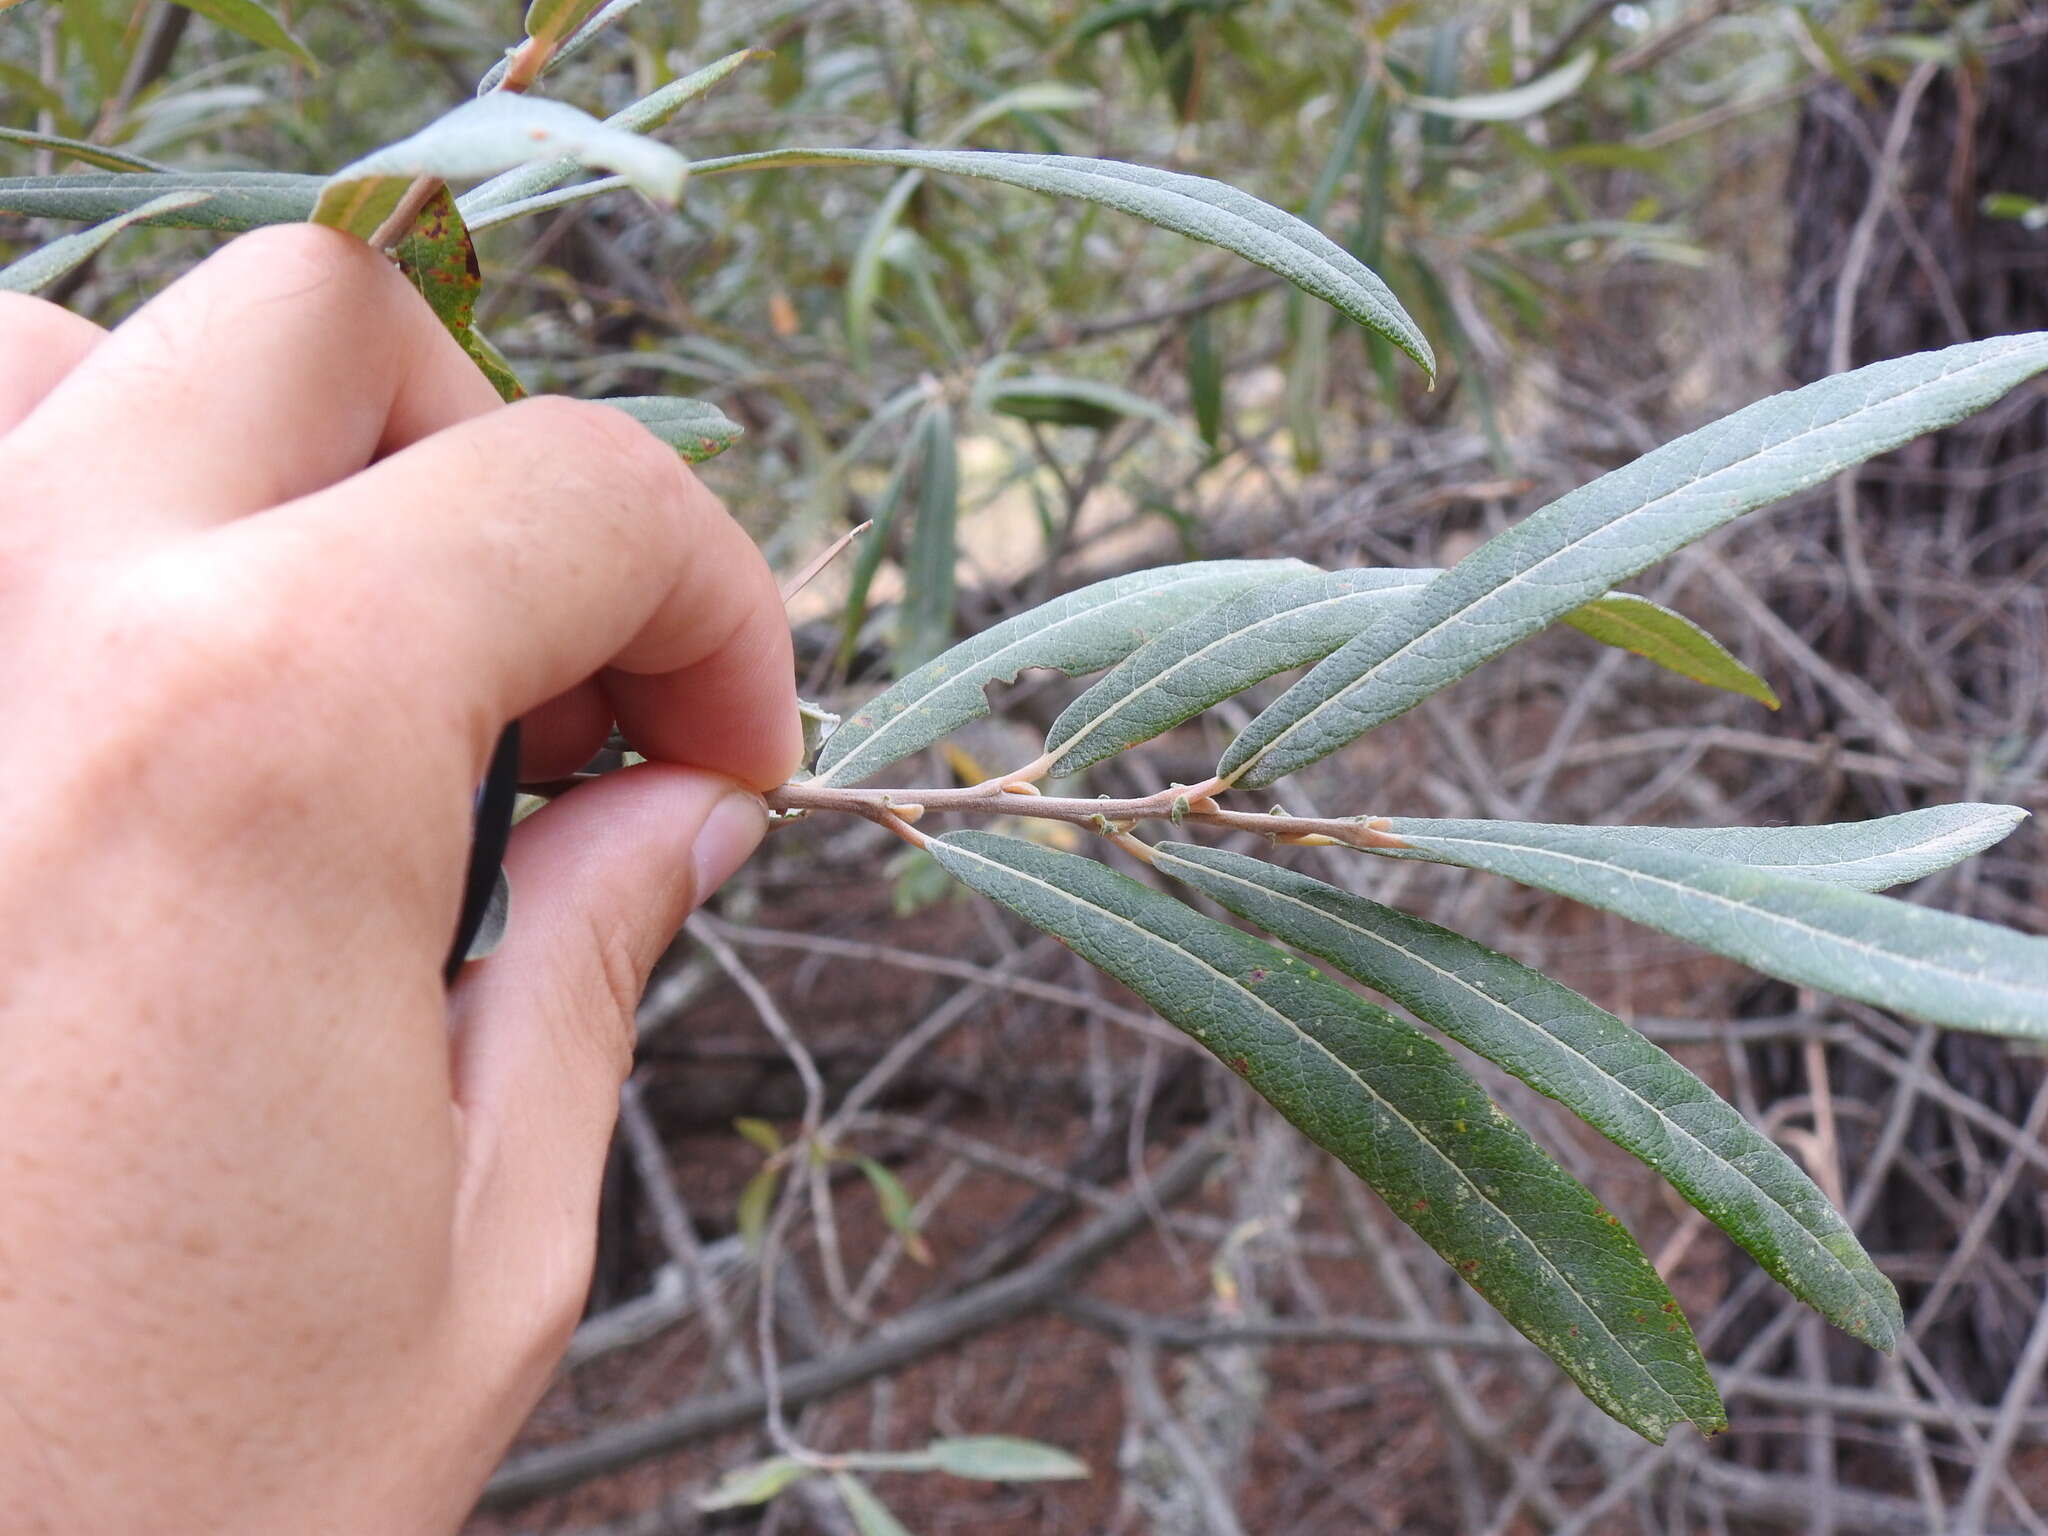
(897, 809)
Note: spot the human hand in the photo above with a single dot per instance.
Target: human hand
(291, 1237)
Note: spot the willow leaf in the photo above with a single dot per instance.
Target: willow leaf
(44, 265)
(483, 137)
(1219, 652)
(1671, 640)
(1194, 206)
(643, 116)
(1563, 1045)
(1085, 631)
(235, 200)
(1601, 534)
(925, 622)
(696, 429)
(1395, 1108)
(1862, 855)
(101, 155)
(258, 23)
(1912, 960)
(1526, 100)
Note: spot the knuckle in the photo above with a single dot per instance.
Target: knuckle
(628, 463)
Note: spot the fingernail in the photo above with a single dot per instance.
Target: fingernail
(732, 831)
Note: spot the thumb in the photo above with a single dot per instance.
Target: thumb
(542, 1031)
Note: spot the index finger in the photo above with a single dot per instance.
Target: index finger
(502, 561)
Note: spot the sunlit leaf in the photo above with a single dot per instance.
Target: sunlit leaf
(44, 265)
(1084, 631)
(1671, 640)
(1004, 1459)
(483, 137)
(760, 1133)
(1193, 206)
(696, 429)
(1395, 1108)
(1220, 652)
(441, 262)
(1908, 959)
(744, 1487)
(750, 1215)
(1565, 1046)
(1579, 546)
(897, 1209)
(552, 21)
(1538, 95)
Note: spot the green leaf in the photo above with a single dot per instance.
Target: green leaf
(871, 1516)
(235, 201)
(1193, 206)
(552, 21)
(1004, 1459)
(44, 265)
(868, 558)
(1395, 1108)
(760, 1133)
(483, 137)
(491, 363)
(608, 16)
(643, 116)
(78, 149)
(1576, 548)
(1222, 651)
(1526, 100)
(696, 429)
(441, 262)
(750, 1215)
(1907, 959)
(897, 1208)
(1671, 640)
(1562, 1045)
(257, 22)
(1067, 402)
(926, 621)
(1084, 631)
(1861, 855)
(757, 1484)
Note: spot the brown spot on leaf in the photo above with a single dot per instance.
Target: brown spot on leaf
(1240, 1066)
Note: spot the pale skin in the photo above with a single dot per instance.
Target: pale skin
(291, 1235)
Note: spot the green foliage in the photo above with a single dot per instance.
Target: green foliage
(884, 292)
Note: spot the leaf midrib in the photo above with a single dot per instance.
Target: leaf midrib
(1478, 1191)
(1529, 572)
(1829, 1255)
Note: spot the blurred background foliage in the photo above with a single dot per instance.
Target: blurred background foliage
(1614, 221)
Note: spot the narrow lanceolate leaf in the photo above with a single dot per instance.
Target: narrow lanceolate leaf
(234, 201)
(1671, 640)
(1538, 95)
(552, 21)
(1912, 960)
(1862, 855)
(746, 1486)
(1395, 1108)
(643, 116)
(871, 1517)
(1193, 206)
(486, 136)
(257, 22)
(1563, 1045)
(1085, 631)
(1580, 545)
(608, 16)
(78, 149)
(696, 429)
(1222, 651)
(926, 620)
(1066, 402)
(441, 262)
(44, 265)
(1004, 1459)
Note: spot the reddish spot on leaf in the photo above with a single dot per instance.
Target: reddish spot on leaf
(1420, 1205)
(1258, 974)
(1240, 1066)
(1469, 1268)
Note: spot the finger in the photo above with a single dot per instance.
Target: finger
(284, 363)
(497, 565)
(563, 734)
(543, 1030)
(39, 344)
